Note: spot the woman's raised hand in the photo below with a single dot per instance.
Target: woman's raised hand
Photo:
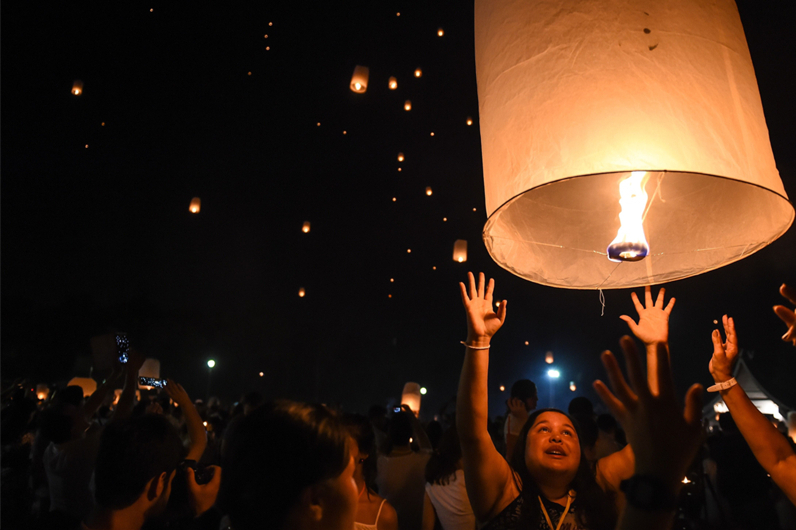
(724, 353)
(482, 321)
(787, 315)
(653, 320)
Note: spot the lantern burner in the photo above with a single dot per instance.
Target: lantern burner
(630, 243)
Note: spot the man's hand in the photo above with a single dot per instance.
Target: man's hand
(134, 362)
(664, 438)
(724, 353)
(653, 323)
(178, 394)
(202, 497)
(787, 315)
(482, 321)
(518, 410)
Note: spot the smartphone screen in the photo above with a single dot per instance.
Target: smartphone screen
(151, 381)
(122, 347)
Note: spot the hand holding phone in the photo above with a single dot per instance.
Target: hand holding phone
(152, 381)
(122, 347)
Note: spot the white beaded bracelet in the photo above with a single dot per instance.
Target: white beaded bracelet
(729, 383)
(474, 347)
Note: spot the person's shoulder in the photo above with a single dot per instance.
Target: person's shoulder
(388, 518)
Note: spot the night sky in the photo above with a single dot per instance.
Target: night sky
(184, 99)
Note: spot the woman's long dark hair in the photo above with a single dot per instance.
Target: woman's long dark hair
(443, 462)
(361, 430)
(596, 508)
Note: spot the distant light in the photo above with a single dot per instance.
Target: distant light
(345, 132)
(407, 105)
(302, 292)
(399, 169)
(432, 134)
(473, 209)
(204, 423)
(428, 191)
(306, 227)
(394, 199)
(444, 218)
(469, 120)
(86, 146)
(211, 363)
(270, 23)
(389, 296)
(572, 386)
(502, 388)
(400, 157)
(410, 439)
(392, 280)
(249, 73)
(151, 10)
(318, 124)
(440, 33)
(686, 481)
(423, 390)
(196, 205)
(527, 343)
(715, 321)
(103, 124)
(408, 250)
(548, 357)
(434, 268)
(266, 36)
(554, 374)
(267, 48)
(397, 14)
(497, 304)
(418, 72)
(393, 83)
(358, 86)
(261, 374)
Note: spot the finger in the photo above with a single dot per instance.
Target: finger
(481, 282)
(465, 298)
(473, 291)
(785, 314)
(693, 405)
(191, 477)
(669, 307)
(621, 390)
(639, 307)
(648, 297)
(216, 475)
(718, 347)
(630, 322)
(664, 373)
(659, 301)
(501, 314)
(788, 292)
(633, 363)
(490, 288)
(613, 404)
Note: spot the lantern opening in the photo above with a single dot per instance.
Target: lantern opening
(630, 243)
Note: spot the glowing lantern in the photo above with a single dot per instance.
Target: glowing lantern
(407, 105)
(502, 388)
(393, 84)
(150, 368)
(305, 227)
(440, 33)
(261, 374)
(359, 81)
(572, 386)
(400, 157)
(77, 87)
(88, 385)
(42, 391)
(418, 72)
(429, 191)
(460, 250)
(548, 357)
(411, 397)
(667, 93)
(116, 395)
(469, 120)
(302, 292)
(196, 205)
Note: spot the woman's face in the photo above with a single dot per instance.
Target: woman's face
(552, 446)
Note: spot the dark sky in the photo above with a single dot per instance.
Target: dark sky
(100, 238)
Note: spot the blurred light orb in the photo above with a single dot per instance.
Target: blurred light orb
(572, 386)
(400, 157)
(196, 205)
(502, 388)
(469, 120)
(211, 363)
(393, 84)
(429, 191)
(423, 390)
(554, 374)
(407, 105)
(261, 374)
(418, 72)
(302, 292)
(440, 33)
(306, 227)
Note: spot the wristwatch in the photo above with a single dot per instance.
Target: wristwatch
(648, 493)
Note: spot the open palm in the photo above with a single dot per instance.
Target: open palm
(653, 320)
(482, 321)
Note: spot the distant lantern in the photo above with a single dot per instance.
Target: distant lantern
(261, 374)
(302, 292)
(359, 81)
(429, 191)
(305, 227)
(407, 105)
(196, 205)
(444, 219)
(411, 396)
(408, 250)
(77, 87)
(469, 120)
(42, 391)
(393, 84)
(548, 357)
(664, 119)
(88, 385)
(418, 72)
(440, 33)
(399, 169)
(502, 388)
(460, 250)
(573, 386)
(150, 368)
(395, 198)
(527, 343)
(400, 157)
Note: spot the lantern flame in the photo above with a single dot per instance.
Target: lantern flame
(630, 243)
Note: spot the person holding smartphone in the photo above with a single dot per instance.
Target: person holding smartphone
(523, 400)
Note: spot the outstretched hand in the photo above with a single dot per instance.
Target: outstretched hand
(202, 497)
(653, 320)
(787, 315)
(664, 437)
(724, 353)
(177, 393)
(482, 321)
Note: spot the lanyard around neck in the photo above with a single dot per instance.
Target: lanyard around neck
(570, 496)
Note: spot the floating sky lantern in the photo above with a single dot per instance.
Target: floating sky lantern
(262, 374)
(469, 120)
(502, 388)
(407, 105)
(621, 179)
(88, 385)
(359, 81)
(573, 386)
(196, 205)
(42, 391)
(429, 191)
(150, 368)
(400, 157)
(411, 396)
(306, 227)
(460, 250)
(393, 84)
(418, 72)
(548, 357)
(440, 33)
(301, 292)
(77, 87)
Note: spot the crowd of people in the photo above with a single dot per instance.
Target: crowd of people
(104, 462)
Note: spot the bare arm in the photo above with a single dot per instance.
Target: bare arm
(196, 429)
(489, 478)
(429, 515)
(770, 448)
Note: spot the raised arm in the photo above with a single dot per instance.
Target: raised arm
(665, 437)
(652, 328)
(127, 400)
(770, 447)
(787, 315)
(418, 432)
(95, 401)
(196, 428)
(489, 478)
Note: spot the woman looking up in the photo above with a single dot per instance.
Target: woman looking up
(547, 481)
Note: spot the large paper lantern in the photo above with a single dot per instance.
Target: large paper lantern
(583, 100)
(196, 205)
(359, 81)
(88, 385)
(411, 397)
(460, 250)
